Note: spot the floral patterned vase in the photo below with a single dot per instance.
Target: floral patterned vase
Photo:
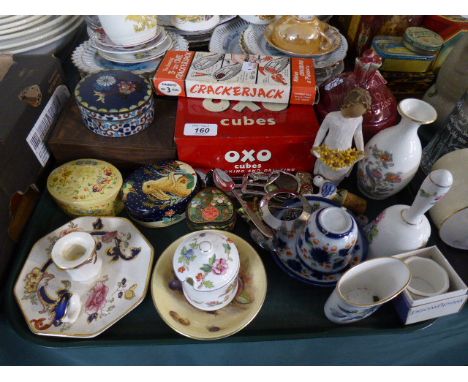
(393, 155)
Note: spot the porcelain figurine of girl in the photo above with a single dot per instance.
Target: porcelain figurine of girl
(338, 131)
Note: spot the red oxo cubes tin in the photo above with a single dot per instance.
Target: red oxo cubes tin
(244, 136)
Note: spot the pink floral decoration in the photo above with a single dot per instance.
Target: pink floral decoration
(220, 267)
(97, 298)
(109, 236)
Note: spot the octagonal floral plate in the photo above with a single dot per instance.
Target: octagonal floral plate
(197, 324)
(121, 285)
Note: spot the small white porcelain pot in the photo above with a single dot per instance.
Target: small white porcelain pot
(129, 30)
(75, 253)
(365, 287)
(194, 23)
(326, 242)
(427, 277)
(207, 264)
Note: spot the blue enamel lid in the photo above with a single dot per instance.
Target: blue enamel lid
(152, 192)
(113, 91)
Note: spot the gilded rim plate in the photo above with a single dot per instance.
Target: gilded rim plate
(133, 58)
(161, 36)
(104, 43)
(188, 321)
(120, 287)
(332, 33)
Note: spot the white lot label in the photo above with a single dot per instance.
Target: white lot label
(37, 136)
(201, 129)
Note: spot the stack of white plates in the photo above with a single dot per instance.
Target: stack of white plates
(36, 34)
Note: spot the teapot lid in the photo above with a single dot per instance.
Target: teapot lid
(206, 260)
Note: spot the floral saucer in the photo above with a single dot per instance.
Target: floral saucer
(185, 319)
(120, 287)
(286, 257)
(226, 37)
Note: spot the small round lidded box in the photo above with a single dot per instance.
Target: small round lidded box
(86, 187)
(115, 103)
(423, 41)
(157, 195)
(207, 264)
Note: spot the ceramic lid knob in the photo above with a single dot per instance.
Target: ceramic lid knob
(441, 177)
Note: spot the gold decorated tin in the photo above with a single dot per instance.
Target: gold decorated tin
(86, 187)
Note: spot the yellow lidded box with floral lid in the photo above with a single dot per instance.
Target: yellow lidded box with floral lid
(86, 187)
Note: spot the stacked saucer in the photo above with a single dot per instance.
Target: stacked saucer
(148, 51)
(36, 34)
(197, 37)
(101, 53)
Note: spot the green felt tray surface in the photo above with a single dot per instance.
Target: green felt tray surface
(291, 310)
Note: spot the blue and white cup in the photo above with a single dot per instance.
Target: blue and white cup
(365, 287)
(326, 243)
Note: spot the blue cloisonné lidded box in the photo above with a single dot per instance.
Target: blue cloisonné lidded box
(157, 195)
(115, 103)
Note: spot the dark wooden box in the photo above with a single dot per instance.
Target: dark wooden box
(72, 140)
(26, 85)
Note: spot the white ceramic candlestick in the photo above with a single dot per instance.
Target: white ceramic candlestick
(402, 228)
(393, 155)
